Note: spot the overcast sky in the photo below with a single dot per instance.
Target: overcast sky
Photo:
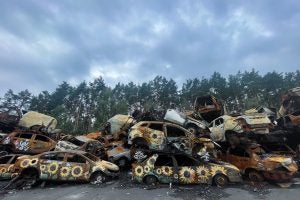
(43, 43)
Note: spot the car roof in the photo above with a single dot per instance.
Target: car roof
(158, 122)
(171, 154)
(67, 151)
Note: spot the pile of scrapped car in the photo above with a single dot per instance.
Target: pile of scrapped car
(206, 145)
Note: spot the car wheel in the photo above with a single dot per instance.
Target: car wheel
(220, 180)
(255, 176)
(98, 178)
(30, 178)
(150, 180)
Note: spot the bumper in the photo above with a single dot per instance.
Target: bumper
(235, 179)
(278, 176)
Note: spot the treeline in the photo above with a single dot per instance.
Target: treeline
(87, 106)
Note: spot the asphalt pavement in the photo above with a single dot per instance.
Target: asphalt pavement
(126, 189)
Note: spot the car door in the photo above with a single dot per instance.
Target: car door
(164, 169)
(156, 136)
(186, 168)
(239, 157)
(40, 144)
(79, 166)
(177, 137)
(51, 165)
(22, 142)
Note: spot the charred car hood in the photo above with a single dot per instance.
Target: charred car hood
(102, 164)
(286, 162)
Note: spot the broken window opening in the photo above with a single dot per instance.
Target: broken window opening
(164, 161)
(26, 136)
(53, 156)
(154, 126)
(238, 152)
(41, 138)
(5, 159)
(76, 158)
(175, 132)
(185, 161)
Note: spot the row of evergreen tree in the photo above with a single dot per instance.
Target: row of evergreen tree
(85, 107)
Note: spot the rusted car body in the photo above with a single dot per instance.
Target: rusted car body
(159, 136)
(257, 123)
(258, 165)
(80, 143)
(117, 153)
(270, 112)
(65, 166)
(115, 129)
(208, 108)
(182, 169)
(7, 163)
(9, 118)
(27, 143)
(35, 120)
(290, 102)
(120, 123)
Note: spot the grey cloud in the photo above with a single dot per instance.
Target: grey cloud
(47, 42)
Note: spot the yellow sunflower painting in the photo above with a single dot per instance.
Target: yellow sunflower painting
(187, 175)
(158, 171)
(65, 171)
(146, 169)
(167, 171)
(155, 138)
(217, 170)
(43, 168)
(25, 163)
(2, 170)
(77, 171)
(52, 168)
(138, 171)
(203, 174)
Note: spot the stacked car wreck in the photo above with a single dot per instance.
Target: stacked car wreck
(203, 146)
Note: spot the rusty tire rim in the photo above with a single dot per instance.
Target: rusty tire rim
(220, 180)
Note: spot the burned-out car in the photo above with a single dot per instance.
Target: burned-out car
(7, 163)
(225, 127)
(35, 120)
(81, 143)
(148, 136)
(257, 164)
(115, 129)
(290, 102)
(26, 143)
(191, 124)
(207, 108)
(117, 153)
(183, 169)
(9, 118)
(65, 166)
